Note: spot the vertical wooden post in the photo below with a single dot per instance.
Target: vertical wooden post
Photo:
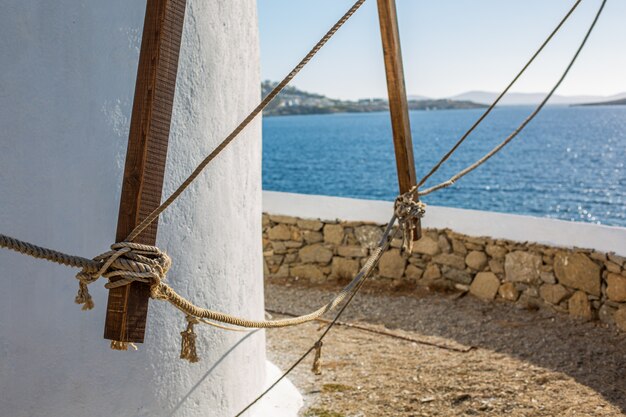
(127, 307)
(398, 106)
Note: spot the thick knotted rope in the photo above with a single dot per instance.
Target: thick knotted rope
(125, 263)
(407, 208)
(129, 262)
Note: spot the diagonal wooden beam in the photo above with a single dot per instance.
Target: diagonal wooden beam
(398, 106)
(146, 154)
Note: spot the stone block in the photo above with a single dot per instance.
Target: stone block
(352, 251)
(312, 237)
(283, 272)
(392, 264)
(431, 272)
(426, 246)
(553, 293)
(474, 246)
(579, 306)
(577, 271)
(315, 253)
(496, 266)
(522, 267)
(414, 273)
(606, 314)
(444, 244)
(548, 277)
(613, 267)
(616, 287)
(333, 233)
(458, 247)
(292, 244)
(313, 225)
(449, 259)
(495, 251)
(279, 247)
(476, 260)
(456, 275)
(343, 268)
(279, 232)
(368, 235)
(310, 272)
(283, 219)
(485, 286)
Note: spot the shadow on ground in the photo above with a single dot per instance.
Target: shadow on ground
(591, 353)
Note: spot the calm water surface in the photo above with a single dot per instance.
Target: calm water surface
(567, 164)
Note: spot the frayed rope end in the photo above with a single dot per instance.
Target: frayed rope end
(83, 297)
(317, 360)
(188, 342)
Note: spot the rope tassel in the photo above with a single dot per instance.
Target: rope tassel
(83, 297)
(317, 360)
(188, 342)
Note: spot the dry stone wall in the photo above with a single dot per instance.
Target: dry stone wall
(584, 283)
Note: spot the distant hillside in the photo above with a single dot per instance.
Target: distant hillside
(294, 101)
(621, 102)
(519, 99)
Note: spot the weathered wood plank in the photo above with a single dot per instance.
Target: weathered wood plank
(398, 106)
(127, 307)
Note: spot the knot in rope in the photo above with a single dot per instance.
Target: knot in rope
(407, 209)
(126, 262)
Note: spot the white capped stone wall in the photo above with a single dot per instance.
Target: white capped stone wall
(586, 283)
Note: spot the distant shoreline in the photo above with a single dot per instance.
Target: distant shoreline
(621, 102)
(325, 113)
(292, 101)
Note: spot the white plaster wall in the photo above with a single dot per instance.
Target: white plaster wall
(470, 222)
(67, 72)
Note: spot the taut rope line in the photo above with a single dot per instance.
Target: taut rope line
(521, 127)
(500, 96)
(383, 244)
(258, 109)
(144, 263)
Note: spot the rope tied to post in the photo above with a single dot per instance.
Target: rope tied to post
(407, 209)
(125, 263)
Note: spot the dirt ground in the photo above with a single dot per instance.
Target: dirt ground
(524, 363)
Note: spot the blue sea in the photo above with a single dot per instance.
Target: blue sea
(568, 163)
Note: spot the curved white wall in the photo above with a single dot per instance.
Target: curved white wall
(66, 81)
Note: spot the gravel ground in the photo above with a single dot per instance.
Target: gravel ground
(525, 363)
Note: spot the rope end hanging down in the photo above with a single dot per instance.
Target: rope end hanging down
(83, 297)
(188, 342)
(317, 360)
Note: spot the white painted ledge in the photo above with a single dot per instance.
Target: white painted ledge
(470, 222)
(283, 401)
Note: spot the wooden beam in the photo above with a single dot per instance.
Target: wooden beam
(127, 307)
(398, 106)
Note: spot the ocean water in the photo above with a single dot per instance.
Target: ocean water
(569, 163)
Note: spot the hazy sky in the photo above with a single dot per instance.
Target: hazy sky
(449, 46)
